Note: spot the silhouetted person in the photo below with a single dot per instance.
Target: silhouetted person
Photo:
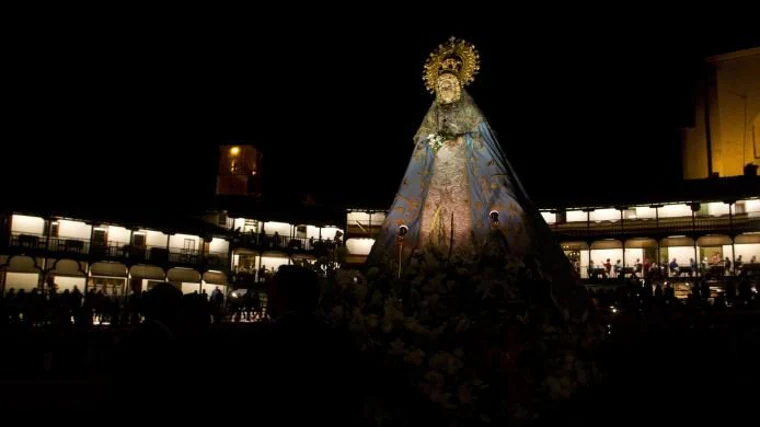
(658, 291)
(151, 361)
(305, 356)
(738, 264)
(607, 267)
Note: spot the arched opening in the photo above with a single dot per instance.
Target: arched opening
(66, 274)
(21, 272)
(606, 258)
(578, 255)
(716, 253)
(187, 280)
(145, 277)
(213, 280)
(111, 277)
(640, 254)
(748, 253)
(677, 256)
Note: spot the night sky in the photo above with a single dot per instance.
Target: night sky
(134, 116)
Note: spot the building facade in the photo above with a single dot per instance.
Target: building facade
(38, 251)
(725, 134)
(685, 239)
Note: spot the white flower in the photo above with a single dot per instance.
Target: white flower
(387, 325)
(337, 312)
(373, 321)
(392, 310)
(415, 357)
(435, 141)
(435, 379)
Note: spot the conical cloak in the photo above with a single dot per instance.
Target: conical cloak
(452, 188)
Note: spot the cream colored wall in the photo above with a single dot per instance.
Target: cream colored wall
(632, 254)
(746, 250)
(328, 233)
(645, 212)
(190, 287)
(675, 211)
(359, 246)
(66, 282)
(74, 229)
(271, 262)
(219, 246)
(27, 224)
(18, 281)
(605, 215)
(576, 216)
(209, 288)
(154, 238)
(600, 256)
(682, 254)
(177, 241)
(118, 234)
(281, 228)
(717, 209)
(752, 207)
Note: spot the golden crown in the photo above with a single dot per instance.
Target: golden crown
(456, 56)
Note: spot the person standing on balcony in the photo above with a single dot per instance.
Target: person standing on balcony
(637, 268)
(739, 262)
(674, 267)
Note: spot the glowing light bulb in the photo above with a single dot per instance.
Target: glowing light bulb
(235, 151)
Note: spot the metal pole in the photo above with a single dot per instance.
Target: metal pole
(733, 237)
(400, 250)
(588, 238)
(622, 238)
(657, 229)
(694, 237)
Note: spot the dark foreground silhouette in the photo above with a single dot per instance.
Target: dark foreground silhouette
(700, 367)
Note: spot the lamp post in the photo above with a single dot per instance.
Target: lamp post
(402, 230)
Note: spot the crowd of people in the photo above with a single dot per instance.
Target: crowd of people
(714, 267)
(658, 295)
(95, 307)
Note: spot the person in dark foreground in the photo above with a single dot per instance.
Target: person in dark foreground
(314, 373)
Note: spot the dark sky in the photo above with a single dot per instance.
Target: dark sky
(133, 114)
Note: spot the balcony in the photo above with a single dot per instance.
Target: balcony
(42, 246)
(651, 227)
(260, 242)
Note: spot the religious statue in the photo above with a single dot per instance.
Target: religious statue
(460, 196)
(467, 298)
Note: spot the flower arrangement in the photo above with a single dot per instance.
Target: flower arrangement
(480, 338)
(435, 141)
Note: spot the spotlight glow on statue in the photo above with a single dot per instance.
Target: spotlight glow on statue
(459, 191)
(467, 295)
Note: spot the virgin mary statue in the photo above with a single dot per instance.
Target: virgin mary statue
(467, 298)
(460, 198)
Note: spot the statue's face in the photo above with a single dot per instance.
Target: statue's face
(449, 89)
